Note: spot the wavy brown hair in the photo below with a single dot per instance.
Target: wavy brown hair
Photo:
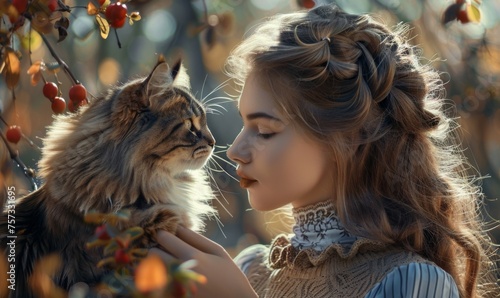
(359, 88)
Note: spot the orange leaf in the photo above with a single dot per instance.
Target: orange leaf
(151, 274)
(35, 71)
(12, 68)
(92, 9)
(41, 282)
(35, 67)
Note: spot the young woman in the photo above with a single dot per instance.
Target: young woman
(343, 123)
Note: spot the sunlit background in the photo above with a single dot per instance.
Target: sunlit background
(468, 55)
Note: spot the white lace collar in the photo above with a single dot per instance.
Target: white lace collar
(317, 227)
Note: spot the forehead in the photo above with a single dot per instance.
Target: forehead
(254, 98)
(181, 103)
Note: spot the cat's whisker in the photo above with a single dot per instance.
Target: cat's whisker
(217, 106)
(213, 111)
(227, 162)
(220, 192)
(221, 226)
(203, 86)
(223, 99)
(222, 146)
(221, 151)
(217, 88)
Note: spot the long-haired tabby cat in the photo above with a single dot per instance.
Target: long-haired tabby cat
(142, 147)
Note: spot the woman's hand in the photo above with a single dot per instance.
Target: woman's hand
(224, 278)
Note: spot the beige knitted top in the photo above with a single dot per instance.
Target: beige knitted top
(312, 263)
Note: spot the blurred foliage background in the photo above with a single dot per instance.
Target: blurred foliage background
(204, 33)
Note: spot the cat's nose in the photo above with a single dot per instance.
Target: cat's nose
(210, 141)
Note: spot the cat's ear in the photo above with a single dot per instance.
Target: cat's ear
(180, 76)
(163, 77)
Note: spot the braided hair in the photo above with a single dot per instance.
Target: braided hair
(359, 88)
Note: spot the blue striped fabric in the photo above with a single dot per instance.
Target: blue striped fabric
(415, 280)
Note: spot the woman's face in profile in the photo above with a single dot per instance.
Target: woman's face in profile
(278, 163)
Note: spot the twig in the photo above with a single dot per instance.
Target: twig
(30, 142)
(15, 157)
(59, 60)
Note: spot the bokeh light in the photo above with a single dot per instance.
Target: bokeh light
(159, 26)
(109, 71)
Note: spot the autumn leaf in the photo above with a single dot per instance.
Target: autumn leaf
(103, 26)
(134, 232)
(473, 13)
(12, 68)
(105, 262)
(35, 71)
(111, 248)
(41, 280)
(62, 27)
(151, 274)
(92, 9)
(451, 13)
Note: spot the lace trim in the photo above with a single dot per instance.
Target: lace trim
(317, 226)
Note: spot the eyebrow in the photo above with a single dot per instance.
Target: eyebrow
(257, 115)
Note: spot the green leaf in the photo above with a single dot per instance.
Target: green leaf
(105, 261)
(96, 242)
(111, 248)
(141, 252)
(134, 232)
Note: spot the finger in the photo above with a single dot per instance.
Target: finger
(201, 242)
(175, 246)
(167, 258)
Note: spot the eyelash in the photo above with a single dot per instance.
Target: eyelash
(265, 135)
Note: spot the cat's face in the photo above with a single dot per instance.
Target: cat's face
(134, 141)
(163, 122)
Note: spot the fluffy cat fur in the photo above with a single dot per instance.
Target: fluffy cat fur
(142, 147)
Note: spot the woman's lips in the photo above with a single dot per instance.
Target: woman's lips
(245, 183)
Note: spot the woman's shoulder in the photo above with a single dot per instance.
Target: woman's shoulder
(418, 280)
(251, 255)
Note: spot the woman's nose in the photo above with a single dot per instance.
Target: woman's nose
(240, 150)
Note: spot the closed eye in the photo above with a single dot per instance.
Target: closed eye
(265, 135)
(177, 127)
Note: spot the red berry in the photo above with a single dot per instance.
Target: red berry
(308, 4)
(20, 5)
(13, 134)
(178, 291)
(102, 233)
(116, 13)
(58, 105)
(50, 90)
(52, 5)
(462, 15)
(121, 257)
(77, 93)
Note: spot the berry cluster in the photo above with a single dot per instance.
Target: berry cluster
(77, 96)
